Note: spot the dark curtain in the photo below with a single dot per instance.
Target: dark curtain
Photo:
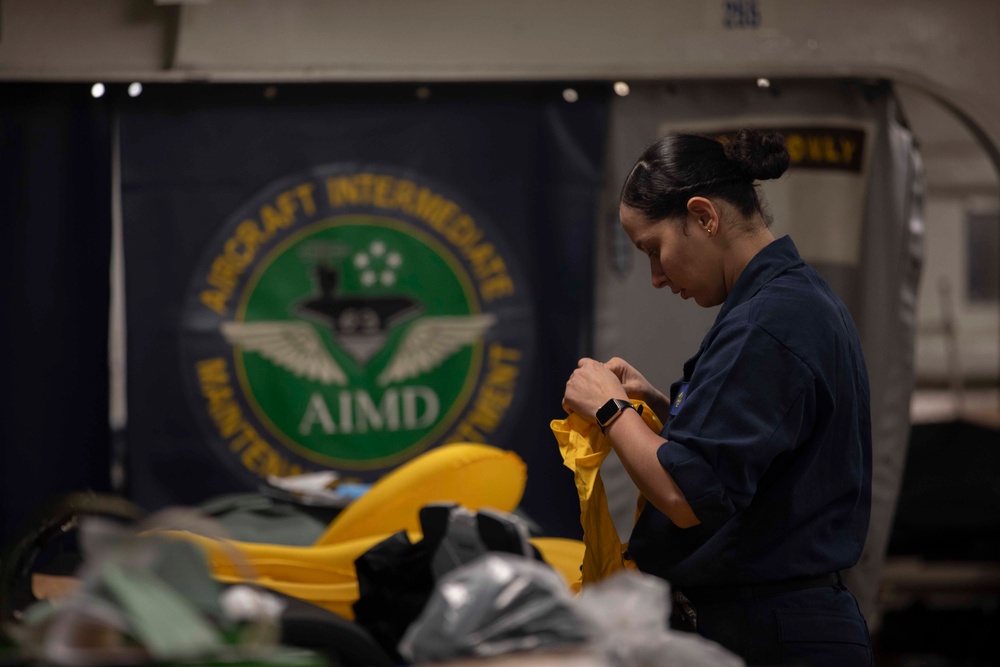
(55, 216)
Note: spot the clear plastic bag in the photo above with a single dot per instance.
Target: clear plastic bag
(628, 616)
(495, 604)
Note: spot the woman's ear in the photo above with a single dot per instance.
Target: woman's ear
(704, 212)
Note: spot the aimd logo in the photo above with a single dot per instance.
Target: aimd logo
(353, 317)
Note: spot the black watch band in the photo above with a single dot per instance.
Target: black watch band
(609, 412)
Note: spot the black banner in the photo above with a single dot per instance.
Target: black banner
(327, 285)
(55, 213)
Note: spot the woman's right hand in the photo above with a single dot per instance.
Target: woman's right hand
(638, 387)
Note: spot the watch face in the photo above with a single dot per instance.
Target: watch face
(607, 411)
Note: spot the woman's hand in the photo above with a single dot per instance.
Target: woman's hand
(590, 386)
(638, 387)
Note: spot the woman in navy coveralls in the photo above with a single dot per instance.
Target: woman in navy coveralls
(759, 485)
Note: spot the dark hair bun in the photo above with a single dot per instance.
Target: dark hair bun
(758, 155)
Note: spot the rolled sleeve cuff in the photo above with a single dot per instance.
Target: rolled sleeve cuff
(698, 482)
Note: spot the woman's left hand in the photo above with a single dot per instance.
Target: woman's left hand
(590, 386)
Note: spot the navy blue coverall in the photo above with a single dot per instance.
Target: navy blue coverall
(769, 438)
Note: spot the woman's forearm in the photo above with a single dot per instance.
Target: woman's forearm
(636, 447)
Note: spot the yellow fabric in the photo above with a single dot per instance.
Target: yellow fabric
(584, 447)
(327, 563)
(564, 556)
(473, 475)
(325, 575)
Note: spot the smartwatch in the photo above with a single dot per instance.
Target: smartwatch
(609, 412)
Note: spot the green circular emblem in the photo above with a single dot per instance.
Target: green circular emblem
(393, 326)
(352, 318)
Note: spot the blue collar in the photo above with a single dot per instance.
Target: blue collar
(776, 258)
(773, 260)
